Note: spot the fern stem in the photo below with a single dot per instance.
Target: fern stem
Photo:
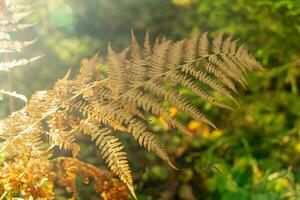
(3, 195)
(11, 86)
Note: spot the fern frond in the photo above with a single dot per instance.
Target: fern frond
(86, 70)
(137, 84)
(135, 48)
(117, 118)
(10, 129)
(215, 71)
(180, 102)
(203, 45)
(187, 82)
(14, 46)
(6, 66)
(136, 66)
(110, 149)
(105, 184)
(61, 133)
(229, 71)
(175, 55)
(112, 116)
(190, 49)
(148, 140)
(13, 94)
(15, 27)
(152, 105)
(116, 72)
(11, 20)
(29, 175)
(147, 47)
(217, 43)
(202, 76)
(158, 59)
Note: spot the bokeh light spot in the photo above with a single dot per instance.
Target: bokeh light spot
(61, 15)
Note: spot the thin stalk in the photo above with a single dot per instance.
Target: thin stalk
(11, 88)
(3, 195)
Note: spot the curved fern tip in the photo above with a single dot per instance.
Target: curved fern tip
(212, 125)
(132, 192)
(66, 77)
(96, 55)
(132, 32)
(173, 166)
(109, 48)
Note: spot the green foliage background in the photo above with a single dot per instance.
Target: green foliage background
(257, 154)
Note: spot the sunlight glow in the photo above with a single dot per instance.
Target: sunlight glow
(61, 15)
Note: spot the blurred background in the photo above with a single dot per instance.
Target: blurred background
(255, 153)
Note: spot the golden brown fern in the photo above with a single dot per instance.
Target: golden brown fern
(32, 176)
(135, 86)
(105, 184)
(137, 81)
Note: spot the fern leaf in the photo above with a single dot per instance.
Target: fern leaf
(179, 102)
(185, 81)
(175, 55)
(110, 150)
(158, 59)
(137, 129)
(86, 69)
(149, 140)
(14, 94)
(226, 45)
(214, 70)
(137, 67)
(230, 73)
(204, 78)
(6, 66)
(217, 43)
(135, 48)
(14, 46)
(116, 73)
(16, 27)
(203, 45)
(190, 49)
(152, 105)
(147, 47)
